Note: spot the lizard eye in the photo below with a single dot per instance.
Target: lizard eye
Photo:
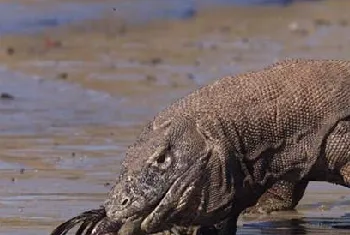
(161, 158)
(164, 159)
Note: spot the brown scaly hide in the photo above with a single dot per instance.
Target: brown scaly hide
(261, 128)
(275, 119)
(333, 165)
(258, 127)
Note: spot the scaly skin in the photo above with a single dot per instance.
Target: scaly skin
(212, 154)
(284, 195)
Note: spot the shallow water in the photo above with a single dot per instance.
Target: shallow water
(19, 16)
(62, 138)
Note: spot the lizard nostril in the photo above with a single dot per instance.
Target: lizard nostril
(125, 201)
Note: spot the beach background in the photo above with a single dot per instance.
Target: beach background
(79, 79)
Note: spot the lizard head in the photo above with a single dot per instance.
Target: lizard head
(161, 177)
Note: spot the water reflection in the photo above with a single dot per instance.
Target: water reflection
(299, 226)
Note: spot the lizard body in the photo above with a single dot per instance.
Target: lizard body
(212, 154)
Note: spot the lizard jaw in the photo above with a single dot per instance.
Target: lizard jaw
(175, 200)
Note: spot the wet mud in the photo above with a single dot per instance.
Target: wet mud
(74, 96)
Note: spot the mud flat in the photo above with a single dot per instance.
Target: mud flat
(78, 94)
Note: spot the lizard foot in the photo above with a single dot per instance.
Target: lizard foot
(283, 195)
(266, 205)
(345, 173)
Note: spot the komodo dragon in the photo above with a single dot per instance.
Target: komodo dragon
(212, 154)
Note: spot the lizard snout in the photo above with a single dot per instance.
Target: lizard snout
(118, 204)
(125, 201)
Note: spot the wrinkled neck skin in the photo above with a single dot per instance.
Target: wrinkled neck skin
(182, 197)
(202, 194)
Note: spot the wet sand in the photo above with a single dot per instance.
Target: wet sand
(83, 91)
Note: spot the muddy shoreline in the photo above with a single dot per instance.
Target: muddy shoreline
(83, 91)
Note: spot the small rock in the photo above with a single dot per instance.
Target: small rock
(191, 76)
(322, 22)
(49, 43)
(6, 96)
(63, 76)
(10, 51)
(296, 28)
(293, 26)
(151, 78)
(156, 61)
(106, 184)
(343, 22)
(189, 13)
(323, 207)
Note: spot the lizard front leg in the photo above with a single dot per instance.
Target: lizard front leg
(283, 195)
